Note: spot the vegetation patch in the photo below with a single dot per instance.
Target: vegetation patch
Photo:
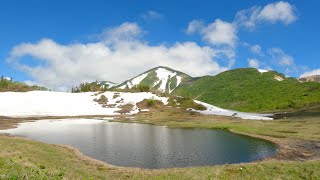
(125, 109)
(184, 103)
(14, 86)
(141, 88)
(89, 87)
(116, 95)
(103, 100)
(150, 104)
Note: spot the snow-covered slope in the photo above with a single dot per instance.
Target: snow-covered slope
(161, 78)
(47, 103)
(214, 110)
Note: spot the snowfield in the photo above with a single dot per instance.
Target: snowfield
(47, 103)
(214, 110)
(163, 75)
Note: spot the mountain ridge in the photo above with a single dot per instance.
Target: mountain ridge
(313, 78)
(161, 78)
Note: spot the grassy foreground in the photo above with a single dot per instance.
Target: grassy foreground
(297, 159)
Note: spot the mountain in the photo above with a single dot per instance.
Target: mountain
(161, 79)
(251, 90)
(314, 78)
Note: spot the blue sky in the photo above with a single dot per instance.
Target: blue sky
(61, 43)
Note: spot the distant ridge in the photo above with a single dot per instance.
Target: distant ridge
(314, 78)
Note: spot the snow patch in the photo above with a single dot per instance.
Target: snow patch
(110, 84)
(123, 86)
(138, 79)
(135, 81)
(214, 110)
(278, 78)
(262, 70)
(163, 75)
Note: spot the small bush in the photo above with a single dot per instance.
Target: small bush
(126, 108)
(115, 95)
(150, 103)
(102, 100)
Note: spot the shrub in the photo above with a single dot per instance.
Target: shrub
(141, 88)
(102, 100)
(115, 95)
(89, 87)
(126, 108)
(150, 103)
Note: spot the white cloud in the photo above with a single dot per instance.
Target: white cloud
(310, 73)
(283, 60)
(125, 32)
(280, 11)
(217, 33)
(253, 63)
(195, 26)
(152, 15)
(121, 55)
(256, 49)
(280, 57)
(248, 17)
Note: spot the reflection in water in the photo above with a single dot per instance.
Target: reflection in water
(147, 146)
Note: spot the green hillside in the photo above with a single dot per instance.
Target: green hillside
(14, 86)
(249, 90)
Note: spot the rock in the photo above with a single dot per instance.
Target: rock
(314, 78)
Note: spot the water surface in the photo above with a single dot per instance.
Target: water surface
(147, 146)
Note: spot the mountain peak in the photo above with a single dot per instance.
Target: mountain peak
(161, 78)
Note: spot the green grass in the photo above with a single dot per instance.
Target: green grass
(251, 91)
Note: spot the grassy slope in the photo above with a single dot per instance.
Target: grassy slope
(6, 85)
(251, 91)
(18, 158)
